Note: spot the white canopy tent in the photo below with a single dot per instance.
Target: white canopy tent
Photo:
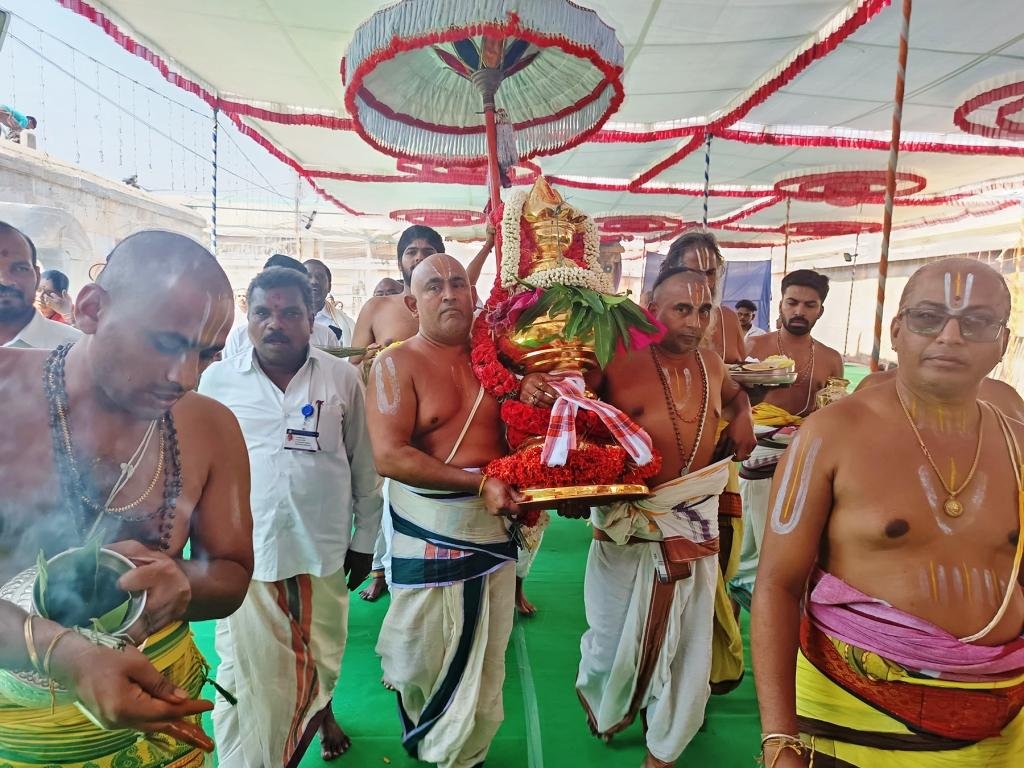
(790, 88)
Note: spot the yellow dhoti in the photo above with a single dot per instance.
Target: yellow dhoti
(32, 737)
(727, 640)
(824, 706)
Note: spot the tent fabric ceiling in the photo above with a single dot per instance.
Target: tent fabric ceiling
(785, 87)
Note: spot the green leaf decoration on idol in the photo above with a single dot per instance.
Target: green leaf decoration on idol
(589, 317)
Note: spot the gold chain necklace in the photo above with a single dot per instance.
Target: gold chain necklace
(952, 506)
(675, 416)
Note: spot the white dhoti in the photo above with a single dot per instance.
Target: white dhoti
(382, 548)
(280, 655)
(756, 475)
(532, 537)
(648, 646)
(443, 641)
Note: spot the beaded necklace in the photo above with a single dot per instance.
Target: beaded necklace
(74, 483)
(675, 416)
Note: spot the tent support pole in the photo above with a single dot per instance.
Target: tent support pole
(890, 181)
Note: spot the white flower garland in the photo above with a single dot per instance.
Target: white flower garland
(576, 276)
(510, 237)
(593, 277)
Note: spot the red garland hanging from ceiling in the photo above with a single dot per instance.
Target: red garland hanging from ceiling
(637, 224)
(846, 188)
(1003, 105)
(439, 217)
(474, 174)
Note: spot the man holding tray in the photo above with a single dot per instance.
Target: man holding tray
(778, 416)
(653, 566)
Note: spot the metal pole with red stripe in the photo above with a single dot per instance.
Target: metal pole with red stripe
(890, 180)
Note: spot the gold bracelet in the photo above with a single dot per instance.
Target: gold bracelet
(49, 650)
(30, 643)
(782, 742)
(480, 488)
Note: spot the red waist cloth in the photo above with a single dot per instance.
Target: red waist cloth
(730, 504)
(964, 714)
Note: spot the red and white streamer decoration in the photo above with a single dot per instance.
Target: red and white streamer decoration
(847, 187)
(1003, 101)
(561, 436)
(639, 224)
(429, 217)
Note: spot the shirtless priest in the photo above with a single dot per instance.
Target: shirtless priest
(383, 321)
(778, 416)
(653, 566)
(107, 439)
(442, 644)
(888, 612)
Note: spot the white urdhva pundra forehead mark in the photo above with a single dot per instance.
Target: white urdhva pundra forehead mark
(388, 393)
(957, 290)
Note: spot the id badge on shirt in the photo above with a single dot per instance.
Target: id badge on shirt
(301, 440)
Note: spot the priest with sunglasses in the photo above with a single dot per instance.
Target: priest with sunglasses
(888, 613)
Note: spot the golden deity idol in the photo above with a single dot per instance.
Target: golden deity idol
(554, 224)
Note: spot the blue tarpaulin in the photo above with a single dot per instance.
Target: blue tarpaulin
(743, 280)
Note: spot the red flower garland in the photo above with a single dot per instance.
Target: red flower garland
(587, 465)
(522, 420)
(531, 420)
(496, 379)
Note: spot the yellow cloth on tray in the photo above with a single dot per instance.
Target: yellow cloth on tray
(768, 415)
(32, 737)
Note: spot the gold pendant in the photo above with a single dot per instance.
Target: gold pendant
(952, 507)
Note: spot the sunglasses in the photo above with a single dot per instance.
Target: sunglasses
(930, 322)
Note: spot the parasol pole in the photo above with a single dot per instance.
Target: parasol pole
(487, 80)
(890, 181)
(493, 180)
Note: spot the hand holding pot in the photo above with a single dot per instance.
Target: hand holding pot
(168, 591)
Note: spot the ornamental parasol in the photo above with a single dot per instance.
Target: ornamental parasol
(492, 81)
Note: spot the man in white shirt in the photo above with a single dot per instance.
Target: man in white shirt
(239, 341)
(316, 514)
(329, 315)
(746, 311)
(21, 325)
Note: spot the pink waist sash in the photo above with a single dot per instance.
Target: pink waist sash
(847, 614)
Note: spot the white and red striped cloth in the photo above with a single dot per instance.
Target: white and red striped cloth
(561, 436)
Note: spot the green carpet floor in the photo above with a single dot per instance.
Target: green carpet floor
(544, 723)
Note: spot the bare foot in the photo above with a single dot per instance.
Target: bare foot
(376, 589)
(650, 761)
(523, 606)
(333, 741)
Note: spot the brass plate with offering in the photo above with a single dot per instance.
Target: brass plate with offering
(774, 371)
(582, 495)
